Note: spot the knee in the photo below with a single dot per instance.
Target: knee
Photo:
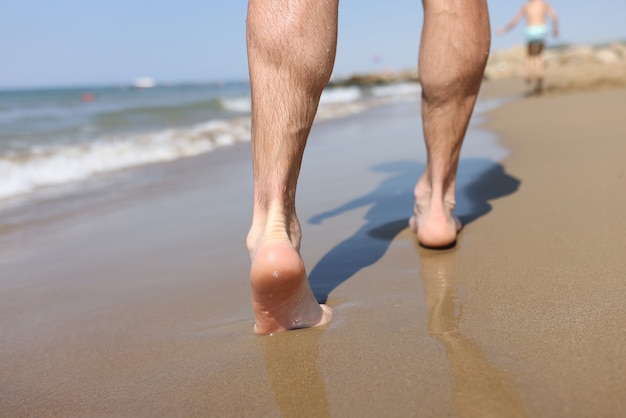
(300, 46)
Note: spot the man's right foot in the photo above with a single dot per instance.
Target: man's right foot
(282, 298)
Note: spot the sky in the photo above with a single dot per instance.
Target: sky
(82, 43)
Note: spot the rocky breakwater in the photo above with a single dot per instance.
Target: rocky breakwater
(376, 79)
(567, 67)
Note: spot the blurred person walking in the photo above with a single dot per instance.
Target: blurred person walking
(536, 13)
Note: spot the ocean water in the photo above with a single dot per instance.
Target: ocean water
(51, 137)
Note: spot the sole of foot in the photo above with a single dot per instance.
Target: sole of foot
(282, 298)
(437, 234)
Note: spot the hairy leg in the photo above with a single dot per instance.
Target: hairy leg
(529, 64)
(291, 51)
(453, 53)
(534, 65)
(539, 70)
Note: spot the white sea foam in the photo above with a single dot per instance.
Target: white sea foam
(336, 95)
(397, 90)
(237, 104)
(45, 166)
(344, 101)
(340, 95)
(339, 110)
(27, 169)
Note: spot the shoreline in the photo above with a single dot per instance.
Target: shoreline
(28, 171)
(137, 302)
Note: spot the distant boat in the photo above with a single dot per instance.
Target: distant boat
(144, 83)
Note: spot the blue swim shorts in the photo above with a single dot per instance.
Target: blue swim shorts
(536, 34)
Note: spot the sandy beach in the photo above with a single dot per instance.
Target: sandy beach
(130, 296)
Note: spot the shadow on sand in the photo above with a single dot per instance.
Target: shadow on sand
(479, 181)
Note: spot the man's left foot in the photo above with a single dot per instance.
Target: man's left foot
(432, 220)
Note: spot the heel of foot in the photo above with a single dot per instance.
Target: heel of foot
(276, 267)
(282, 298)
(436, 233)
(440, 242)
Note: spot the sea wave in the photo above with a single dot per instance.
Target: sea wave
(341, 95)
(24, 170)
(336, 95)
(161, 115)
(30, 169)
(240, 104)
(397, 90)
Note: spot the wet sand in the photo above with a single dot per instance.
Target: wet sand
(131, 297)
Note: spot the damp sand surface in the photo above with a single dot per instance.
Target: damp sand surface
(130, 297)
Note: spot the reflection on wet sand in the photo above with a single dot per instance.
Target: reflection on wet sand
(291, 363)
(481, 390)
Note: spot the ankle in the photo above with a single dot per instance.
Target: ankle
(271, 226)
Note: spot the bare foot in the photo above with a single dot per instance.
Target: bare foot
(435, 231)
(282, 298)
(433, 221)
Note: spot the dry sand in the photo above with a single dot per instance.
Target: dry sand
(132, 299)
